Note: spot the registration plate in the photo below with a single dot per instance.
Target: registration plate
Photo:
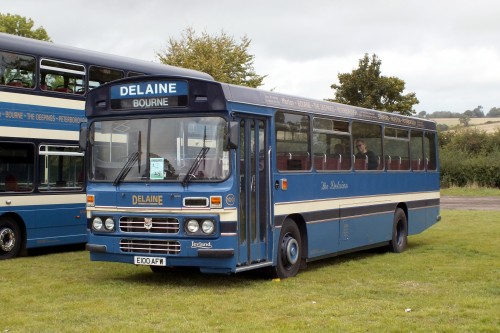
(150, 261)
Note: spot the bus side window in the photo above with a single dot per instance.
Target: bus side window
(430, 151)
(17, 70)
(101, 75)
(417, 150)
(367, 146)
(292, 141)
(396, 148)
(63, 77)
(61, 168)
(17, 166)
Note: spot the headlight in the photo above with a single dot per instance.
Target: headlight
(109, 224)
(208, 227)
(192, 226)
(97, 224)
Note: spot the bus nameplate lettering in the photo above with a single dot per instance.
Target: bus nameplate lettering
(147, 95)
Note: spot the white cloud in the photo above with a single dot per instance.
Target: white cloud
(446, 52)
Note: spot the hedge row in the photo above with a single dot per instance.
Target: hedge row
(461, 169)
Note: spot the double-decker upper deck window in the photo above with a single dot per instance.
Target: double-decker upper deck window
(17, 70)
(62, 76)
(292, 141)
(102, 75)
(331, 144)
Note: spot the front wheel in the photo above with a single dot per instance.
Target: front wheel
(399, 232)
(289, 251)
(10, 239)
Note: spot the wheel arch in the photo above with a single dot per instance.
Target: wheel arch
(301, 224)
(20, 222)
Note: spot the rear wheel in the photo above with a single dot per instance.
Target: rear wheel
(399, 232)
(289, 251)
(10, 239)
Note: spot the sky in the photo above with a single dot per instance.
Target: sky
(446, 51)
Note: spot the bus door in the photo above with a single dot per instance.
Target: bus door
(254, 207)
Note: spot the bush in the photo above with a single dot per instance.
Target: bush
(462, 169)
(470, 157)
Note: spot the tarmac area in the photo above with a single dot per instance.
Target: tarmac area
(470, 203)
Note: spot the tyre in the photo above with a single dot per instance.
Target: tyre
(399, 239)
(289, 251)
(10, 239)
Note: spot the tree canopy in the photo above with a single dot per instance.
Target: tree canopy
(366, 87)
(22, 26)
(220, 56)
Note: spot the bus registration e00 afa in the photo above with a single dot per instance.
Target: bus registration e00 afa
(229, 178)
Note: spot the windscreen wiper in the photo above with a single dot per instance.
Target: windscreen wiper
(196, 164)
(126, 168)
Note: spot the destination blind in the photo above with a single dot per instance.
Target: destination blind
(150, 94)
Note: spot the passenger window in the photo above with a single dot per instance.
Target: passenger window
(430, 151)
(292, 141)
(62, 77)
(396, 149)
(417, 151)
(367, 146)
(331, 144)
(17, 166)
(61, 168)
(100, 75)
(17, 70)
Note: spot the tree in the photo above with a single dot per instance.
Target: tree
(465, 119)
(494, 112)
(365, 87)
(22, 26)
(219, 56)
(476, 113)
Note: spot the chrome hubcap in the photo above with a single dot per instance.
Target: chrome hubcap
(7, 239)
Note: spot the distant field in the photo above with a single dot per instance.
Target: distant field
(486, 124)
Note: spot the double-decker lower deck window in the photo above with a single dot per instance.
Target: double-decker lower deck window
(61, 168)
(17, 166)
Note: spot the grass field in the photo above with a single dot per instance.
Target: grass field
(447, 281)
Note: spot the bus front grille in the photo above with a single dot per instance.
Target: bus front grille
(150, 246)
(157, 225)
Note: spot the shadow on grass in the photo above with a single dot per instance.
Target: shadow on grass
(192, 277)
(54, 249)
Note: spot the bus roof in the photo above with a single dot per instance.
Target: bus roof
(62, 52)
(246, 95)
(222, 93)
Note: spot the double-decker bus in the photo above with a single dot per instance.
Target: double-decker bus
(42, 96)
(188, 172)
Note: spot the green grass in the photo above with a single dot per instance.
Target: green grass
(471, 191)
(447, 281)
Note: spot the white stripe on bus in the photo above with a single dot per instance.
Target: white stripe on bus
(54, 102)
(287, 208)
(41, 199)
(38, 133)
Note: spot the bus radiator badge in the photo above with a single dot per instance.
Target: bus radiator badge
(148, 223)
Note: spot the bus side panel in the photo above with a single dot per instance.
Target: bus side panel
(365, 230)
(323, 238)
(422, 219)
(58, 225)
